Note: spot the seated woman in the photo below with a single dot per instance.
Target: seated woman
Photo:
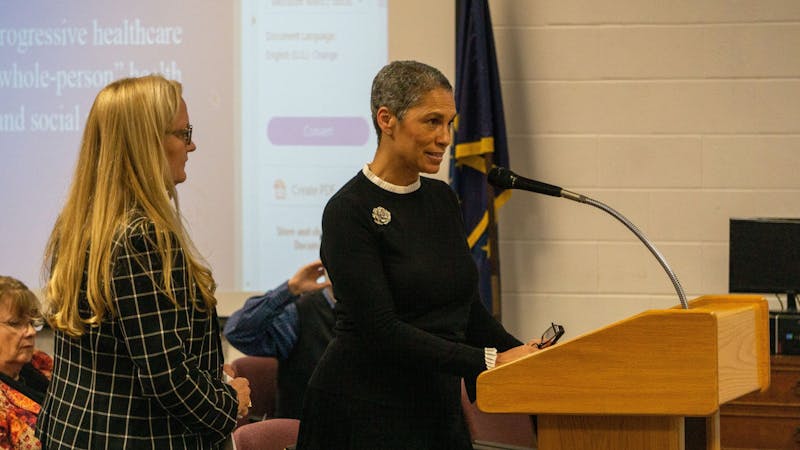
(24, 371)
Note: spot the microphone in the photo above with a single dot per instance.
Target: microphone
(506, 179)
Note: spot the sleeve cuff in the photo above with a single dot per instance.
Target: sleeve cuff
(490, 356)
(282, 291)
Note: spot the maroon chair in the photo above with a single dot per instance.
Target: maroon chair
(494, 430)
(271, 434)
(262, 373)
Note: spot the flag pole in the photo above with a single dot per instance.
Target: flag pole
(494, 248)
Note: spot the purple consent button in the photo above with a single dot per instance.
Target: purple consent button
(318, 131)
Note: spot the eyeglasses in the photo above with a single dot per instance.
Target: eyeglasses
(551, 335)
(184, 134)
(21, 325)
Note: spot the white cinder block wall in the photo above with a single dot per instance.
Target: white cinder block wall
(678, 114)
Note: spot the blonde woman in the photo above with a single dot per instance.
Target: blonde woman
(138, 362)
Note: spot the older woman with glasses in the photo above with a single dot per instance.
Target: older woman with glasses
(24, 371)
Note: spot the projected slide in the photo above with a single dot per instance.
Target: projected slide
(307, 67)
(54, 58)
(277, 91)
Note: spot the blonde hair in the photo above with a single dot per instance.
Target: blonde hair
(20, 300)
(122, 171)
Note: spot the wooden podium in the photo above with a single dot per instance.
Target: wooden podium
(630, 385)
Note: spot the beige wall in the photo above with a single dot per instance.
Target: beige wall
(677, 114)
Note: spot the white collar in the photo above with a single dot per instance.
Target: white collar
(385, 185)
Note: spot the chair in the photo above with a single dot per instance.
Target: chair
(270, 434)
(497, 431)
(262, 373)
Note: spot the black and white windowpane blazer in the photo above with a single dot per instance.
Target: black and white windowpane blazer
(148, 377)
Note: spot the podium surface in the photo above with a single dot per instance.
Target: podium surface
(639, 377)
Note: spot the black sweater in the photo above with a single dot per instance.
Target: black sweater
(410, 322)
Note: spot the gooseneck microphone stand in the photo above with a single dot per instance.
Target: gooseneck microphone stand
(597, 204)
(506, 179)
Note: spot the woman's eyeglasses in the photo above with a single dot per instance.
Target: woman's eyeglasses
(21, 325)
(551, 335)
(184, 134)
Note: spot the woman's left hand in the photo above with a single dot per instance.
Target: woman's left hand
(242, 387)
(515, 353)
(228, 370)
(534, 342)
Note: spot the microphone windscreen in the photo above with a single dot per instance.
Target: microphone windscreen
(501, 177)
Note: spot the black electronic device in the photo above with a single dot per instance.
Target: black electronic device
(764, 257)
(784, 333)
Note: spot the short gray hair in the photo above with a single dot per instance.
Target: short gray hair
(400, 85)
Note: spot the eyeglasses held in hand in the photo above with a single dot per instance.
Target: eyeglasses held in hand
(551, 335)
(184, 134)
(21, 325)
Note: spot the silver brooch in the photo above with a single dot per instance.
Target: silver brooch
(381, 215)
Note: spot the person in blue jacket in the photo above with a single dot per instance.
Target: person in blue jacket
(294, 323)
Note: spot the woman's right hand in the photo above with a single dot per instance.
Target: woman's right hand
(515, 353)
(242, 388)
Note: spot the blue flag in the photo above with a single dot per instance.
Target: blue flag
(479, 141)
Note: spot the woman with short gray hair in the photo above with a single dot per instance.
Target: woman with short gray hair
(410, 323)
